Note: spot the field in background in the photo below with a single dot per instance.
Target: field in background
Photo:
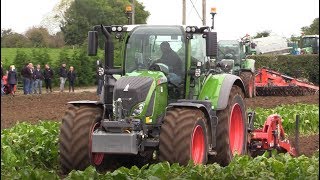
(8, 54)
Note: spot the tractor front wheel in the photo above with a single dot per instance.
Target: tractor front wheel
(76, 130)
(183, 137)
(248, 81)
(232, 128)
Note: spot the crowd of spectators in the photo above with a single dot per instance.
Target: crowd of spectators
(32, 78)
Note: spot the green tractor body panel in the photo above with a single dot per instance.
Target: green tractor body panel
(216, 88)
(248, 64)
(211, 89)
(156, 100)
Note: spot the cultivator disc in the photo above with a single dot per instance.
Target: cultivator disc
(285, 91)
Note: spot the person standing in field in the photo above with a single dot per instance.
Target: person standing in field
(31, 87)
(48, 76)
(26, 77)
(12, 79)
(63, 76)
(71, 78)
(2, 84)
(100, 80)
(38, 77)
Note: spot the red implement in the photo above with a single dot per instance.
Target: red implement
(271, 136)
(272, 83)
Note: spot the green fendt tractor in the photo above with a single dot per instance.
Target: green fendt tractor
(170, 103)
(232, 58)
(310, 44)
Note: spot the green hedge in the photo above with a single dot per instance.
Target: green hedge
(302, 66)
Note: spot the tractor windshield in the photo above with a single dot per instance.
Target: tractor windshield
(148, 45)
(228, 49)
(308, 42)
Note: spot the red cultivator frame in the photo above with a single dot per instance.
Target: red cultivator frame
(272, 83)
(270, 137)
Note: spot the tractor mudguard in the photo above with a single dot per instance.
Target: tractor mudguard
(217, 88)
(225, 89)
(203, 105)
(248, 65)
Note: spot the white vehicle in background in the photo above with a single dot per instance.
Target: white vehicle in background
(272, 44)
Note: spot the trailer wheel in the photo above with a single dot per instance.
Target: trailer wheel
(248, 80)
(184, 137)
(75, 135)
(232, 128)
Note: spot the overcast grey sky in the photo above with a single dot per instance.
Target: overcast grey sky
(234, 18)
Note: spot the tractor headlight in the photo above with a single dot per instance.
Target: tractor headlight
(188, 29)
(113, 28)
(138, 109)
(119, 28)
(193, 29)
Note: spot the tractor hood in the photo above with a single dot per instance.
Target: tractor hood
(135, 87)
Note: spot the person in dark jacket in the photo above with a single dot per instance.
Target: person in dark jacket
(48, 76)
(170, 58)
(63, 76)
(26, 75)
(2, 84)
(12, 79)
(31, 87)
(71, 78)
(38, 77)
(100, 80)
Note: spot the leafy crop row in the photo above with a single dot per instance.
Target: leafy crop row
(31, 152)
(26, 147)
(309, 117)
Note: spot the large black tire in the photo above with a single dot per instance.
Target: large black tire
(75, 134)
(232, 128)
(248, 79)
(184, 137)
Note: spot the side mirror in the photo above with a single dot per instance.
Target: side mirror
(92, 43)
(211, 44)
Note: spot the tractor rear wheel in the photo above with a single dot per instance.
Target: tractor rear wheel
(76, 129)
(231, 129)
(248, 81)
(184, 137)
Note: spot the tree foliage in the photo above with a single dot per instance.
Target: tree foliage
(261, 34)
(12, 39)
(34, 37)
(21, 59)
(82, 15)
(312, 29)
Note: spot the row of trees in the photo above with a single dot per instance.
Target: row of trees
(306, 30)
(75, 21)
(34, 37)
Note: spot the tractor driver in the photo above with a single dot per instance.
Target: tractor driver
(170, 58)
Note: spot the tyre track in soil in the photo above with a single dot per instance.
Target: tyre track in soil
(32, 108)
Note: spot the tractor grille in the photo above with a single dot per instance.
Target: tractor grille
(131, 90)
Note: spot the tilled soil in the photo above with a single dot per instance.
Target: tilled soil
(307, 144)
(273, 101)
(32, 108)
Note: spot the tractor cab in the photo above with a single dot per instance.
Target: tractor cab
(171, 50)
(310, 44)
(230, 53)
